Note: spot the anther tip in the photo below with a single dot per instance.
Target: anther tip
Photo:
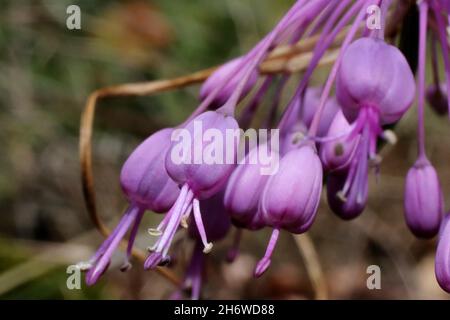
(207, 249)
(340, 195)
(183, 223)
(154, 232)
(126, 266)
(390, 136)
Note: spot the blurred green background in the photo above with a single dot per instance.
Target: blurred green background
(46, 74)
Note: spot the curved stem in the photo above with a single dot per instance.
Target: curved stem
(423, 16)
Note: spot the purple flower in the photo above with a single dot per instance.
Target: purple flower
(147, 186)
(197, 180)
(375, 86)
(291, 197)
(423, 200)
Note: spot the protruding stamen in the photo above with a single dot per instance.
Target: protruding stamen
(126, 266)
(264, 263)
(184, 219)
(340, 195)
(200, 227)
(376, 160)
(154, 232)
(390, 137)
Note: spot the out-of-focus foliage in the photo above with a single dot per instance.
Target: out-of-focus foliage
(46, 74)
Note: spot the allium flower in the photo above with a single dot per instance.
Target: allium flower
(375, 86)
(147, 187)
(198, 181)
(291, 197)
(442, 260)
(423, 199)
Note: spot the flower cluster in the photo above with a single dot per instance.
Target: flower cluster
(325, 136)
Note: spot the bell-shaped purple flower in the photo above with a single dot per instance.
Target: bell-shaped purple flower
(228, 76)
(201, 166)
(374, 86)
(442, 260)
(437, 98)
(291, 197)
(423, 202)
(337, 152)
(374, 74)
(147, 186)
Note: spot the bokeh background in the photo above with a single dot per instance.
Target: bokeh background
(46, 74)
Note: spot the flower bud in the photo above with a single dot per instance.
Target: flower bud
(423, 200)
(291, 196)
